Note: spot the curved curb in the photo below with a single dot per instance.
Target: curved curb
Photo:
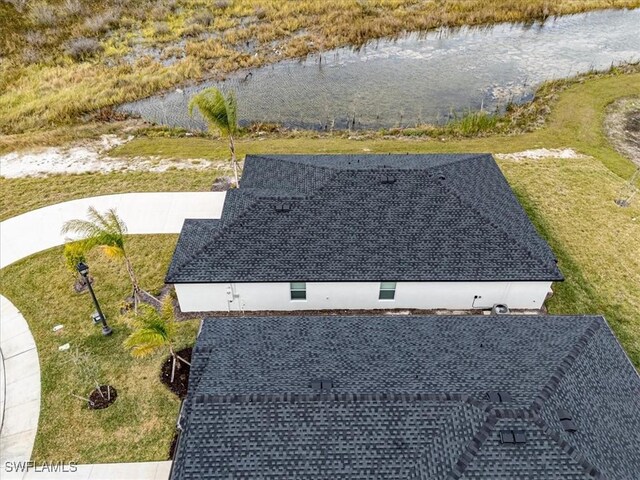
(32, 232)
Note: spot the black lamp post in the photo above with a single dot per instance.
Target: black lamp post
(83, 269)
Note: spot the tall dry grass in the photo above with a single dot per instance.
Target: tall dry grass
(47, 82)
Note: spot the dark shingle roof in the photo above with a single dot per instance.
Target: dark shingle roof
(445, 218)
(409, 399)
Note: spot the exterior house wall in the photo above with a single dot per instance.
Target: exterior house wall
(202, 297)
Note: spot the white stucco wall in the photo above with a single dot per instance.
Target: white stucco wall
(198, 297)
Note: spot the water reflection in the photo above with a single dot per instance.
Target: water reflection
(419, 78)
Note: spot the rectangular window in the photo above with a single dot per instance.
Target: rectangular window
(387, 291)
(298, 291)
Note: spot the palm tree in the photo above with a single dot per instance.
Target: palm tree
(154, 330)
(220, 112)
(74, 253)
(107, 232)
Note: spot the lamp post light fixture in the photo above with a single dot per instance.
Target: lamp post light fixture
(83, 269)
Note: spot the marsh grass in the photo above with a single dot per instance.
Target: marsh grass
(217, 38)
(472, 123)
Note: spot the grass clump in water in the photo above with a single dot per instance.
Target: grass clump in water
(472, 123)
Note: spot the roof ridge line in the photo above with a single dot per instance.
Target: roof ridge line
(565, 365)
(474, 156)
(494, 415)
(320, 167)
(280, 159)
(589, 468)
(470, 205)
(473, 447)
(283, 158)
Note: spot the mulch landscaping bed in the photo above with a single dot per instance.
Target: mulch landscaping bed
(80, 285)
(181, 380)
(102, 398)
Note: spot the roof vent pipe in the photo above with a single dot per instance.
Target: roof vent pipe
(566, 420)
(388, 179)
(283, 207)
(323, 385)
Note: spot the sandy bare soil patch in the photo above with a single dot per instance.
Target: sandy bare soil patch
(541, 153)
(622, 126)
(87, 157)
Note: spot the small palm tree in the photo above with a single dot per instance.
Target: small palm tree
(220, 112)
(154, 330)
(106, 231)
(74, 253)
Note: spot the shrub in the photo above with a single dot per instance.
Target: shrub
(159, 13)
(193, 30)
(101, 22)
(261, 13)
(172, 52)
(472, 123)
(172, 5)
(74, 253)
(83, 48)
(30, 56)
(222, 4)
(203, 17)
(43, 14)
(35, 39)
(160, 29)
(72, 8)
(18, 4)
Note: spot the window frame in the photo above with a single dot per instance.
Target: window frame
(294, 288)
(385, 289)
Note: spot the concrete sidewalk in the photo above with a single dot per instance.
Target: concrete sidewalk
(32, 232)
(143, 213)
(20, 372)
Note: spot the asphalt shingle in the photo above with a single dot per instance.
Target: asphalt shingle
(368, 218)
(409, 399)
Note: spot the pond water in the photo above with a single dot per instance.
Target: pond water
(419, 78)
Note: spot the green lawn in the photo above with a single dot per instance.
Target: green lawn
(140, 424)
(597, 243)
